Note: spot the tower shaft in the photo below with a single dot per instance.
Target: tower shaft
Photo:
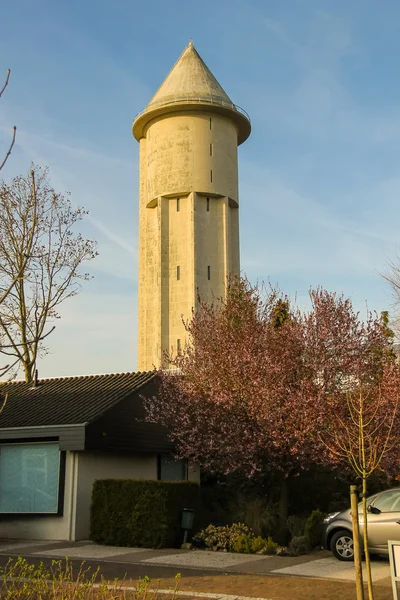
(189, 225)
(188, 203)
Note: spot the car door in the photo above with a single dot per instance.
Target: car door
(384, 525)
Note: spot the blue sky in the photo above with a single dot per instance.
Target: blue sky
(319, 176)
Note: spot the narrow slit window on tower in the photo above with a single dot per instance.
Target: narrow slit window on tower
(208, 204)
(211, 149)
(211, 175)
(178, 204)
(178, 272)
(178, 346)
(208, 272)
(210, 123)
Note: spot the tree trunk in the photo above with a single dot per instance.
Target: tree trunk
(28, 372)
(283, 509)
(366, 550)
(284, 499)
(356, 542)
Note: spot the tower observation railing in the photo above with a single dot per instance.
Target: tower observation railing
(193, 100)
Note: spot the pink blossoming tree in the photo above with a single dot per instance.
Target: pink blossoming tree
(257, 381)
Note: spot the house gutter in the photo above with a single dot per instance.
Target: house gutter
(5, 429)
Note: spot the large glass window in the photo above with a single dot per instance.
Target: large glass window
(171, 469)
(29, 478)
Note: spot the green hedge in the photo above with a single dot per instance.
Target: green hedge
(128, 512)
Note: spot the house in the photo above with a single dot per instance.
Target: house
(60, 435)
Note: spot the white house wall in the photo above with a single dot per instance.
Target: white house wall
(92, 466)
(194, 473)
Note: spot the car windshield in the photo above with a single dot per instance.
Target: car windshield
(370, 500)
(388, 501)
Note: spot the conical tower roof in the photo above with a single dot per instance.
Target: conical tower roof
(189, 77)
(190, 85)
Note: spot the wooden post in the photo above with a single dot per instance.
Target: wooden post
(356, 542)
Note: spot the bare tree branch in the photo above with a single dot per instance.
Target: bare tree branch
(6, 369)
(11, 146)
(40, 256)
(14, 128)
(3, 347)
(365, 434)
(6, 82)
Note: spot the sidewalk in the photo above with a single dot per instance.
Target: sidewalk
(317, 575)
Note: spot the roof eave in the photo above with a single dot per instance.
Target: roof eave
(70, 437)
(231, 111)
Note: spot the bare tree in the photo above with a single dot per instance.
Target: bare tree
(391, 275)
(365, 435)
(4, 292)
(14, 128)
(40, 260)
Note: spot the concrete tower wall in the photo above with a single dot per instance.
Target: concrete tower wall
(189, 225)
(189, 235)
(182, 150)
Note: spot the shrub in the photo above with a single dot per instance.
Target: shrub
(296, 525)
(248, 544)
(213, 537)
(21, 580)
(270, 547)
(127, 512)
(258, 514)
(258, 544)
(313, 528)
(221, 537)
(236, 538)
(238, 529)
(298, 546)
(243, 544)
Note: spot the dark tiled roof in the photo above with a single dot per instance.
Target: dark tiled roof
(66, 400)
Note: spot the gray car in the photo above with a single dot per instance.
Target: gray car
(383, 525)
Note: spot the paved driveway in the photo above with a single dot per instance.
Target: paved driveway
(213, 576)
(318, 565)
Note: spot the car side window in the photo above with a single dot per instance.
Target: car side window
(388, 501)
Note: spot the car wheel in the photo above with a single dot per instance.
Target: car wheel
(342, 545)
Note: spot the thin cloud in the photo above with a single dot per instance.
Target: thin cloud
(113, 237)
